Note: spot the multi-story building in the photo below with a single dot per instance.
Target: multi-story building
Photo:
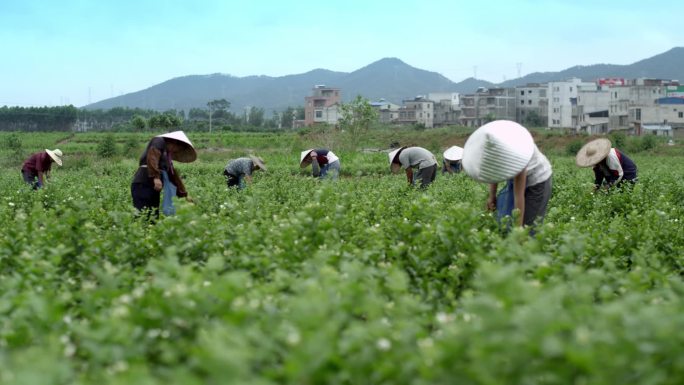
(665, 117)
(445, 97)
(591, 111)
(644, 94)
(486, 105)
(532, 104)
(561, 96)
(618, 108)
(446, 108)
(417, 111)
(387, 112)
(322, 106)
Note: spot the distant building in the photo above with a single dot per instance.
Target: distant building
(644, 108)
(665, 117)
(387, 112)
(452, 98)
(532, 104)
(417, 111)
(322, 106)
(446, 108)
(591, 111)
(562, 95)
(486, 105)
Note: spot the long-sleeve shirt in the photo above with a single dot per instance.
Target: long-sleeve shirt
(614, 168)
(153, 161)
(38, 162)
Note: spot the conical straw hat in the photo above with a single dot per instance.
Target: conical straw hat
(497, 151)
(453, 153)
(392, 155)
(258, 162)
(187, 154)
(304, 159)
(593, 152)
(56, 155)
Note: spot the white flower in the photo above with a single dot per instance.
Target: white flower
(384, 344)
(293, 337)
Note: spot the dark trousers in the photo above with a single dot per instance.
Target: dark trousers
(233, 181)
(146, 200)
(31, 179)
(426, 175)
(536, 199)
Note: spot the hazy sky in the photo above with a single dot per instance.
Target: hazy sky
(75, 52)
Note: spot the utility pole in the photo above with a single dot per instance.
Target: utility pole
(210, 111)
(474, 72)
(519, 65)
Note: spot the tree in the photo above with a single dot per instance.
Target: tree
(490, 117)
(256, 117)
(139, 123)
(164, 121)
(534, 120)
(217, 105)
(357, 117)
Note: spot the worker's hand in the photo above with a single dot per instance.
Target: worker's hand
(190, 200)
(491, 203)
(157, 184)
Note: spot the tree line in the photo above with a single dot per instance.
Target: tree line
(216, 116)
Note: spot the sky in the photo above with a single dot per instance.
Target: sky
(82, 51)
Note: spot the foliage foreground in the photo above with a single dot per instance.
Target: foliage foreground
(362, 281)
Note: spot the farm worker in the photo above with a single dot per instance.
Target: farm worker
(156, 172)
(419, 158)
(503, 150)
(452, 160)
(611, 166)
(36, 169)
(323, 162)
(239, 170)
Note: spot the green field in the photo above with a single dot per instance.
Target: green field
(362, 281)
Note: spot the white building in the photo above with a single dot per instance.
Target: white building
(592, 111)
(561, 97)
(452, 97)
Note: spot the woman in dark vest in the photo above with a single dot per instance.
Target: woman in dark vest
(323, 162)
(611, 166)
(156, 172)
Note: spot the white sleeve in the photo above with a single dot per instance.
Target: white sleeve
(331, 157)
(613, 163)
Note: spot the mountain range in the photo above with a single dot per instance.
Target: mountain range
(388, 78)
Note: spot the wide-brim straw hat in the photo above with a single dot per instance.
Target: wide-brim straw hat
(453, 153)
(593, 152)
(56, 155)
(497, 151)
(258, 162)
(395, 167)
(187, 153)
(304, 159)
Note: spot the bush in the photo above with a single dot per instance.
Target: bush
(618, 139)
(573, 147)
(130, 146)
(107, 147)
(13, 143)
(648, 142)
